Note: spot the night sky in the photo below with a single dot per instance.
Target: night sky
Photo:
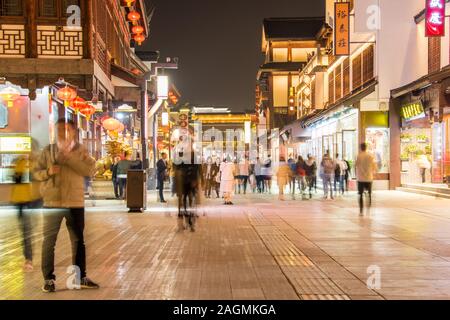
(218, 44)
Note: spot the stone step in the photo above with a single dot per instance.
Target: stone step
(425, 192)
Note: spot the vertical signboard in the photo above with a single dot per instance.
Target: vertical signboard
(342, 28)
(435, 18)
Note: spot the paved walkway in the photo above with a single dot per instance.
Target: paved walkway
(258, 249)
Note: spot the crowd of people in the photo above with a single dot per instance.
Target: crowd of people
(222, 178)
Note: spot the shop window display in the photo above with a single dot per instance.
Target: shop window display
(416, 156)
(378, 144)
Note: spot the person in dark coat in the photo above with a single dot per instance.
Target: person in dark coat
(161, 174)
(210, 171)
(188, 182)
(114, 178)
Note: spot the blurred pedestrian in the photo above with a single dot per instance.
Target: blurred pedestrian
(365, 166)
(328, 167)
(266, 171)
(26, 196)
(161, 175)
(310, 172)
(293, 165)
(284, 175)
(122, 173)
(62, 168)
(227, 173)
(258, 176)
(339, 173)
(347, 174)
(114, 178)
(244, 172)
(210, 171)
(188, 181)
(300, 175)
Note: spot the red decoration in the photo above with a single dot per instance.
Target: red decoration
(137, 29)
(435, 18)
(10, 94)
(136, 71)
(134, 16)
(87, 110)
(77, 103)
(66, 94)
(139, 38)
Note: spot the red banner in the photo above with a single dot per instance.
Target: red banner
(435, 18)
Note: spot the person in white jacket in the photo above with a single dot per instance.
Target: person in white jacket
(227, 172)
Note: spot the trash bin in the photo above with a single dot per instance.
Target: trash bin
(136, 190)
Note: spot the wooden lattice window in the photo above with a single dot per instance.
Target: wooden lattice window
(356, 71)
(11, 8)
(368, 64)
(313, 94)
(101, 26)
(338, 82)
(331, 87)
(346, 76)
(434, 54)
(48, 8)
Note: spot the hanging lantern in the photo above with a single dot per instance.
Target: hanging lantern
(111, 124)
(139, 38)
(137, 29)
(77, 103)
(134, 17)
(66, 94)
(9, 95)
(129, 2)
(87, 110)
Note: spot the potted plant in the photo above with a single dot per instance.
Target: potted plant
(412, 149)
(405, 137)
(422, 138)
(404, 156)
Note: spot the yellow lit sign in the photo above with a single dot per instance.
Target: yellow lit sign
(15, 144)
(413, 111)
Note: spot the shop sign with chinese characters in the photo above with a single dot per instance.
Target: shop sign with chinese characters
(413, 111)
(435, 18)
(342, 29)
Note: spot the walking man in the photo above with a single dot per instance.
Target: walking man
(328, 166)
(62, 168)
(161, 173)
(365, 169)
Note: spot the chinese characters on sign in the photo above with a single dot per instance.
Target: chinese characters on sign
(435, 18)
(342, 28)
(413, 111)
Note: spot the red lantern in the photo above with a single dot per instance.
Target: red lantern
(129, 2)
(139, 38)
(66, 94)
(77, 103)
(137, 29)
(111, 124)
(10, 94)
(87, 110)
(134, 17)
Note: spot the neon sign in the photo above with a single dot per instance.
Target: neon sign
(435, 18)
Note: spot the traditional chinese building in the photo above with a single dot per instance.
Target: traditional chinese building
(84, 45)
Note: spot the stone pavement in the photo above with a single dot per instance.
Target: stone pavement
(258, 249)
